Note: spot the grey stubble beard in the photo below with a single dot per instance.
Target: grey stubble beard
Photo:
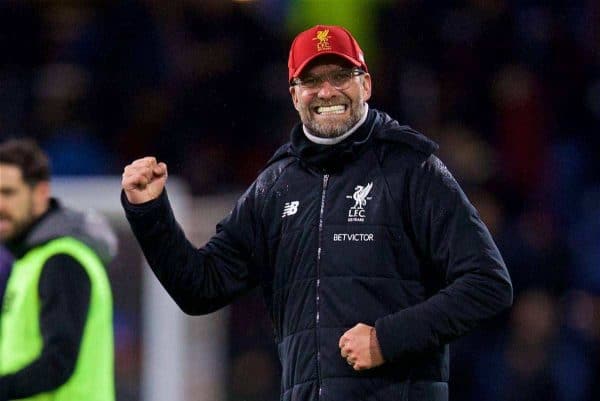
(332, 130)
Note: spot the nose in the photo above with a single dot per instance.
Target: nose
(326, 90)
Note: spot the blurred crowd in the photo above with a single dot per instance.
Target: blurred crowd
(510, 89)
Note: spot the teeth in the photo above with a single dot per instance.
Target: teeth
(331, 109)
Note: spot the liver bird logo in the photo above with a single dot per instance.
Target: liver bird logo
(361, 195)
(322, 39)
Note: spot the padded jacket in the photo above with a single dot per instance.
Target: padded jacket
(373, 230)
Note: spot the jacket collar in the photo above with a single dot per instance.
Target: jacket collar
(378, 125)
(330, 158)
(392, 131)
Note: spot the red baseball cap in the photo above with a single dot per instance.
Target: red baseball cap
(320, 40)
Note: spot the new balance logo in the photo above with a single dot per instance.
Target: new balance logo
(290, 208)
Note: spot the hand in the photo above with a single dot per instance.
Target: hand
(144, 180)
(360, 348)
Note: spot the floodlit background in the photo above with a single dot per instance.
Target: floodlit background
(509, 89)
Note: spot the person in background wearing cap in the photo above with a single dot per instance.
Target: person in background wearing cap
(370, 257)
(56, 332)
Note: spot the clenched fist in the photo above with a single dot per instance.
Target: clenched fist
(360, 348)
(144, 180)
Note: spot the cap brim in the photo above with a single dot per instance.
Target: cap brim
(301, 67)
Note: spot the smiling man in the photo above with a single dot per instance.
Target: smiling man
(370, 256)
(327, 102)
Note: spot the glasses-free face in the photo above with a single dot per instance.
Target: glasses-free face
(20, 203)
(339, 79)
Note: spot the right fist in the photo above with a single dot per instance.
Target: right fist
(144, 180)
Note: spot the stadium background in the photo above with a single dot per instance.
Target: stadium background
(510, 90)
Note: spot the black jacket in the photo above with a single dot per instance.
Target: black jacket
(373, 230)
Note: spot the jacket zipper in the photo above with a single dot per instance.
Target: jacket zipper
(318, 285)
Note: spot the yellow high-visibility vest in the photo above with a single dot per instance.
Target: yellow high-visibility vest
(20, 337)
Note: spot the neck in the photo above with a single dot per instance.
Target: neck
(332, 141)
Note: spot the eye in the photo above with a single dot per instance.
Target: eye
(340, 77)
(7, 191)
(311, 82)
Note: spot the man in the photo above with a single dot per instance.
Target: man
(56, 337)
(370, 257)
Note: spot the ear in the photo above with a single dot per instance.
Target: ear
(295, 96)
(366, 83)
(41, 197)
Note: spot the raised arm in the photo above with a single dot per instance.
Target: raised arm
(199, 280)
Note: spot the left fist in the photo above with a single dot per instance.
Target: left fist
(360, 348)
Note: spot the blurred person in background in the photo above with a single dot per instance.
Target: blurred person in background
(370, 256)
(521, 369)
(56, 333)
